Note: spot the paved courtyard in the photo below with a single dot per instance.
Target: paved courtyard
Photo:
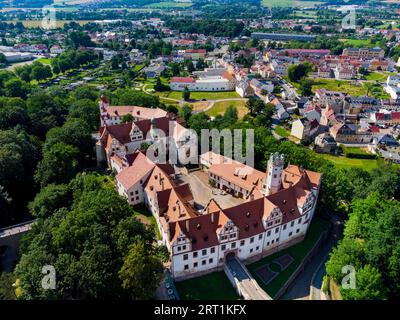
(203, 192)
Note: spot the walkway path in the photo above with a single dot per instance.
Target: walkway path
(300, 288)
(247, 286)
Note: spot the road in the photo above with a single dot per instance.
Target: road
(300, 288)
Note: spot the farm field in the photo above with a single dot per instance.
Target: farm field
(38, 23)
(289, 3)
(169, 4)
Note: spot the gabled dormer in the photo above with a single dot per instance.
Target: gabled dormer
(307, 204)
(273, 218)
(135, 134)
(180, 243)
(228, 232)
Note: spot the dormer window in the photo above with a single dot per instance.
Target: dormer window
(198, 226)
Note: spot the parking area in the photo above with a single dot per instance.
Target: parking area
(203, 192)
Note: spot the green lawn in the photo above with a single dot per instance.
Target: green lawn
(201, 95)
(282, 131)
(340, 85)
(343, 162)
(214, 286)
(298, 252)
(376, 76)
(359, 43)
(220, 107)
(144, 214)
(44, 60)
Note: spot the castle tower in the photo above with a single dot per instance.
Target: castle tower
(273, 180)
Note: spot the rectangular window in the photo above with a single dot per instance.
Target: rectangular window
(251, 239)
(186, 267)
(260, 237)
(251, 250)
(290, 233)
(194, 254)
(298, 230)
(284, 227)
(204, 252)
(184, 247)
(268, 233)
(212, 250)
(242, 243)
(223, 247)
(195, 265)
(233, 245)
(300, 220)
(210, 260)
(292, 224)
(185, 257)
(204, 262)
(257, 248)
(276, 230)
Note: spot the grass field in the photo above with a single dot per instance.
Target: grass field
(38, 23)
(220, 107)
(289, 3)
(282, 132)
(169, 4)
(298, 252)
(359, 43)
(214, 286)
(349, 87)
(44, 60)
(347, 163)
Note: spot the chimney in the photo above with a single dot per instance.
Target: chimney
(187, 225)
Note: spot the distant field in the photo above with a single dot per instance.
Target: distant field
(38, 23)
(169, 4)
(289, 3)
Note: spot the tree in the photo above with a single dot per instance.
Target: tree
(50, 199)
(185, 112)
(87, 111)
(3, 58)
(141, 272)
(369, 286)
(59, 164)
(6, 286)
(40, 71)
(186, 94)
(306, 87)
(383, 247)
(127, 118)
(348, 252)
(297, 72)
(16, 88)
